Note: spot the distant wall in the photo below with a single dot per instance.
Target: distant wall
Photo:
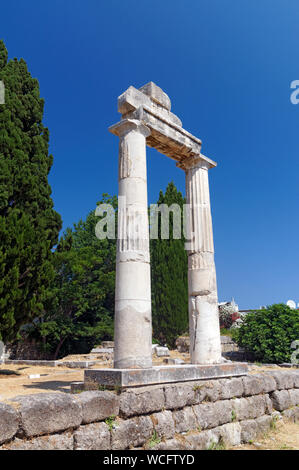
(192, 415)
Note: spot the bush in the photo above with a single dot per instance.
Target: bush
(268, 333)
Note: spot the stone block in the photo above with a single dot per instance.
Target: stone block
(296, 378)
(185, 420)
(172, 444)
(53, 442)
(230, 434)
(47, 413)
(249, 408)
(253, 384)
(231, 388)
(281, 400)
(156, 94)
(140, 401)
(292, 414)
(211, 415)
(95, 436)
(164, 424)
(97, 406)
(9, 422)
(184, 394)
(162, 352)
(164, 374)
(203, 440)
(294, 396)
(132, 432)
(249, 430)
(264, 424)
(284, 379)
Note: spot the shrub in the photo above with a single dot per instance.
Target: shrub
(268, 333)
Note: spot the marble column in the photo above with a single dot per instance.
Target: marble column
(133, 320)
(205, 345)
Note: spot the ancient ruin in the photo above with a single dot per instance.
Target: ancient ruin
(147, 120)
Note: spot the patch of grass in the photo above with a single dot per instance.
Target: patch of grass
(217, 445)
(234, 416)
(197, 387)
(110, 422)
(154, 440)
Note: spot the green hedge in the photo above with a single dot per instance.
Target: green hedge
(269, 333)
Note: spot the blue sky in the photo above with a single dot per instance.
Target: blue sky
(227, 67)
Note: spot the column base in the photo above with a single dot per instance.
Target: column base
(124, 378)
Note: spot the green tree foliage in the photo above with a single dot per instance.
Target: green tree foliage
(29, 226)
(80, 306)
(169, 267)
(268, 333)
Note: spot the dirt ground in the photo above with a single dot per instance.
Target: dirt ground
(14, 378)
(284, 437)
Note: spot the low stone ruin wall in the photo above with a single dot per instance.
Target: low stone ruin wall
(191, 415)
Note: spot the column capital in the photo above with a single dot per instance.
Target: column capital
(127, 125)
(196, 161)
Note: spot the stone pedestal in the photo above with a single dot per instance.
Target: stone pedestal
(205, 345)
(133, 325)
(161, 374)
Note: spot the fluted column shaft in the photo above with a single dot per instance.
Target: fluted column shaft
(205, 345)
(133, 321)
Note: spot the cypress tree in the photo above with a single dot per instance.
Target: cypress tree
(29, 226)
(169, 277)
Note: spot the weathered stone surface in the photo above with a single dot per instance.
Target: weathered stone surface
(294, 396)
(53, 442)
(296, 378)
(141, 401)
(211, 415)
(164, 374)
(156, 94)
(203, 440)
(269, 383)
(281, 400)
(9, 422)
(253, 385)
(172, 444)
(164, 424)
(249, 408)
(47, 413)
(95, 436)
(249, 430)
(180, 395)
(292, 414)
(183, 344)
(132, 432)
(264, 423)
(230, 434)
(162, 352)
(97, 406)
(185, 420)
(231, 388)
(284, 379)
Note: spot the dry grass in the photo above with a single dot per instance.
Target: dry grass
(284, 437)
